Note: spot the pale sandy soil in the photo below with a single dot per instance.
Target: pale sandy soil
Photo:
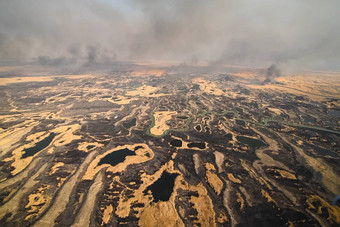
(227, 203)
(84, 216)
(266, 159)
(161, 118)
(196, 159)
(15, 202)
(62, 198)
(330, 179)
(219, 159)
(252, 172)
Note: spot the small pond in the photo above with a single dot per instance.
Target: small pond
(38, 146)
(162, 188)
(254, 143)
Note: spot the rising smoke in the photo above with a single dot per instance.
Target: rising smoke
(299, 34)
(271, 73)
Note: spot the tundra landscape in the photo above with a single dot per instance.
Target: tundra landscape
(151, 113)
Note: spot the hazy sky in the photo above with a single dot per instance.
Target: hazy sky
(298, 33)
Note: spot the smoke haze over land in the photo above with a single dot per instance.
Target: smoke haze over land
(272, 72)
(298, 34)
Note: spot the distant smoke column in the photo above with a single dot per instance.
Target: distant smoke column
(272, 72)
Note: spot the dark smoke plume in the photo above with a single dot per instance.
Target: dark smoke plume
(272, 72)
(221, 32)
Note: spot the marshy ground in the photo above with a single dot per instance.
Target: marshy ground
(166, 147)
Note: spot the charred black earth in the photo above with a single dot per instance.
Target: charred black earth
(180, 148)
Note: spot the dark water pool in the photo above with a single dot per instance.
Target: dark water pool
(228, 136)
(334, 112)
(129, 124)
(116, 157)
(229, 115)
(308, 119)
(198, 128)
(176, 143)
(254, 143)
(162, 188)
(89, 147)
(239, 110)
(198, 145)
(38, 146)
(322, 151)
(241, 123)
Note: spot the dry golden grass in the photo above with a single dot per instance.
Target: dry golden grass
(332, 211)
(83, 218)
(266, 195)
(233, 179)
(284, 174)
(107, 214)
(240, 200)
(145, 91)
(185, 144)
(83, 146)
(37, 202)
(65, 136)
(55, 167)
(25, 79)
(316, 86)
(208, 86)
(214, 181)
(140, 157)
(161, 118)
(203, 205)
(148, 72)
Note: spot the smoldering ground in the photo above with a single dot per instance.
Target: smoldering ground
(298, 34)
(271, 73)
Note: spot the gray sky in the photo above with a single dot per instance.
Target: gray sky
(302, 34)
